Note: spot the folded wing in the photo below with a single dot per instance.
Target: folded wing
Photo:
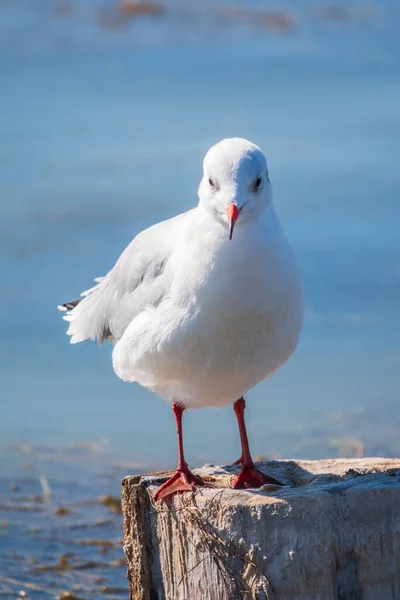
(138, 280)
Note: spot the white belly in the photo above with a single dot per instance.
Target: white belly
(237, 322)
(219, 369)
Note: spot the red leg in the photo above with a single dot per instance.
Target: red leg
(249, 476)
(182, 480)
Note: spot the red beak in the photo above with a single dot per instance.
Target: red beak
(233, 212)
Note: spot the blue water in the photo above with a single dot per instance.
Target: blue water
(102, 133)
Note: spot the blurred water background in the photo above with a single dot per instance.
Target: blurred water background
(106, 111)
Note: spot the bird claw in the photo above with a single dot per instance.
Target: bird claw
(250, 477)
(181, 481)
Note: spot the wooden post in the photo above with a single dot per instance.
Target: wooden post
(332, 534)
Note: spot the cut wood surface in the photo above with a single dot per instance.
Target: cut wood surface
(332, 533)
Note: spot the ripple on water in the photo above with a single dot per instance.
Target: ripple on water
(61, 535)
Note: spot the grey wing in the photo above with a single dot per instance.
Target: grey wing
(138, 280)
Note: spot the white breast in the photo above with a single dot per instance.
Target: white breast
(232, 318)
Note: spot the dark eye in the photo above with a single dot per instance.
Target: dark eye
(212, 184)
(257, 183)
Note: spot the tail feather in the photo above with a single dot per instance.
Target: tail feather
(87, 316)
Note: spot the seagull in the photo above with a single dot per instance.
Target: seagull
(202, 307)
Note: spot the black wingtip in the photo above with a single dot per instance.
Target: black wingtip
(68, 305)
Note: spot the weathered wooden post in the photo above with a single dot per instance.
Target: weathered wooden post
(332, 534)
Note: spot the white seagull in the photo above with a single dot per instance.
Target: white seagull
(203, 306)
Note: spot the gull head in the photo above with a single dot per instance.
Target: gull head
(235, 187)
